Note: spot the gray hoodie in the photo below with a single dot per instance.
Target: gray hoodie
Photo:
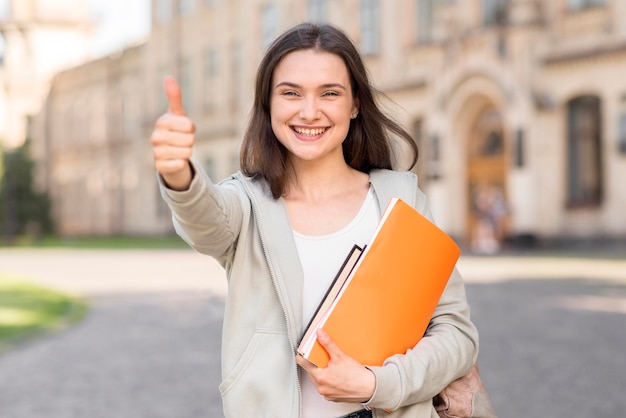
(239, 223)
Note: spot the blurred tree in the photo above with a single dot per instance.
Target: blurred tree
(23, 210)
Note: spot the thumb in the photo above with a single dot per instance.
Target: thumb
(174, 96)
(329, 345)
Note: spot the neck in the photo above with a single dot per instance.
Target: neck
(314, 181)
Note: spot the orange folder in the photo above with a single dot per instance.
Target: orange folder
(386, 303)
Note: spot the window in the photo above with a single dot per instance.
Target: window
(186, 85)
(114, 111)
(494, 12)
(489, 135)
(236, 62)
(370, 26)
(210, 78)
(584, 175)
(584, 4)
(317, 10)
(186, 7)
(163, 11)
(424, 21)
(270, 24)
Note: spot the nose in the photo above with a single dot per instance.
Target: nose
(310, 109)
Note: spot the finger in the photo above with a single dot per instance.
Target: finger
(162, 137)
(170, 166)
(171, 122)
(305, 364)
(171, 153)
(329, 345)
(174, 96)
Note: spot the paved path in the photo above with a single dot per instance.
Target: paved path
(149, 347)
(553, 336)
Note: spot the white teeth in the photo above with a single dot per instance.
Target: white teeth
(309, 132)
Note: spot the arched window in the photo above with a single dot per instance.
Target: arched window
(584, 156)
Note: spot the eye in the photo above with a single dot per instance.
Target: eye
(289, 93)
(330, 93)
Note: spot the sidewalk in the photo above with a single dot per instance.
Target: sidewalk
(93, 272)
(150, 346)
(542, 265)
(97, 272)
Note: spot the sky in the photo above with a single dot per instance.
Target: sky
(118, 23)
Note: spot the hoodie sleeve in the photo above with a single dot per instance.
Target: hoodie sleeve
(206, 216)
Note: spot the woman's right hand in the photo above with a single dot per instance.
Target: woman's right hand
(172, 140)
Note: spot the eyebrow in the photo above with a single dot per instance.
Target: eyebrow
(323, 86)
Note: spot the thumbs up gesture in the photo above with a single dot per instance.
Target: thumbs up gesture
(172, 140)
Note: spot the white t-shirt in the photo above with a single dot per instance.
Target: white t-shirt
(321, 257)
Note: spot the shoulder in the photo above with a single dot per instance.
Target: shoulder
(256, 192)
(249, 185)
(402, 184)
(383, 177)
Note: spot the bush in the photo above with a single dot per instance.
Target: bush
(23, 210)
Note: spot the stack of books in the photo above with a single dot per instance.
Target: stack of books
(384, 296)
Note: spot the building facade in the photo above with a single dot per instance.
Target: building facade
(525, 98)
(41, 38)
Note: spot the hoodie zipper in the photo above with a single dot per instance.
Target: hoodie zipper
(276, 288)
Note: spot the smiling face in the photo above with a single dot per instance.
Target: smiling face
(311, 103)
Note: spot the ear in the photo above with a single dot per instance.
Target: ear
(355, 107)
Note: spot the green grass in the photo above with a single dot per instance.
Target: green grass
(28, 310)
(100, 242)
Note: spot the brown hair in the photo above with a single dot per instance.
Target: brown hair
(367, 145)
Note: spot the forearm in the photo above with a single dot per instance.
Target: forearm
(181, 180)
(206, 216)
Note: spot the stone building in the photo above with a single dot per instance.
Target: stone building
(525, 98)
(41, 38)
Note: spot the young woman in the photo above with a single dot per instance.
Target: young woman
(316, 173)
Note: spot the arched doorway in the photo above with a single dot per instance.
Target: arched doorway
(487, 192)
